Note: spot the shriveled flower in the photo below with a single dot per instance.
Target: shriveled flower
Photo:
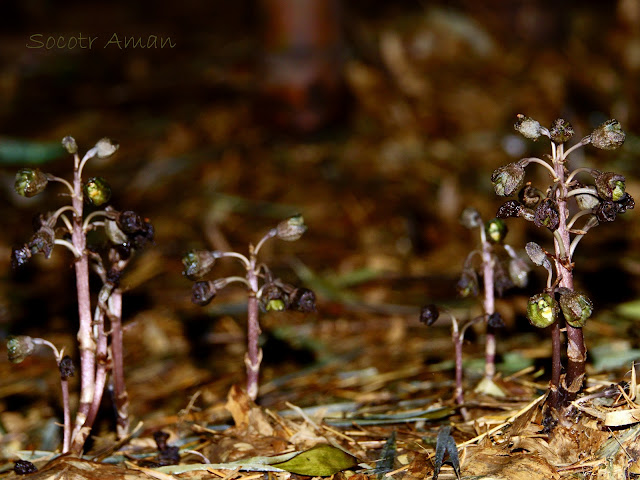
(20, 256)
(130, 222)
(470, 218)
(291, 229)
(542, 310)
(606, 211)
(625, 203)
(511, 208)
(429, 314)
(508, 178)
(576, 308)
(496, 230)
(198, 263)
(528, 127)
(19, 347)
(608, 136)
(561, 131)
(530, 196)
(30, 182)
(302, 300)
(42, 241)
(97, 191)
(24, 467)
(547, 214)
(587, 201)
(610, 185)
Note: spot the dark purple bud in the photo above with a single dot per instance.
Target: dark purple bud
(24, 467)
(67, 369)
(625, 203)
(130, 222)
(20, 256)
(608, 136)
(510, 209)
(302, 300)
(495, 320)
(547, 215)
(429, 314)
(203, 292)
(561, 131)
(160, 438)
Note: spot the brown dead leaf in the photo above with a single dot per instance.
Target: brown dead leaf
(248, 417)
(494, 463)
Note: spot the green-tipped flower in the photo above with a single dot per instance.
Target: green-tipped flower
(291, 229)
(610, 185)
(508, 178)
(467, 286)
(429, 314)
(528, 127)
(19, 348)
(470, 218)
(608, 136)
(106, 147)
(542, 310)
(198, 263)
(30, 182)
(70, 145)
(576, 308)
(561, 131)
(496, 230)
(97, 191)
(273, 298)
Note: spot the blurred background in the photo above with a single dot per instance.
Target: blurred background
(378, 121)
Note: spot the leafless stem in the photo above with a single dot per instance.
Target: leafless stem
(253, 357)
(117, 353)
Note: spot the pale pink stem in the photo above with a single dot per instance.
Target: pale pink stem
(117, 352)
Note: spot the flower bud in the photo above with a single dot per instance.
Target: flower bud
(511, 208)
(198, 263)
(561, 131)
(468, 284)
(508, 178)
(542, 310)
(66, 367)
(24, 467)
(106, 147)
(302, 300)
(291, 229)
(495, 320)
(537, 255)
(70, 145)
(530, 196)
(30, 182)
(19, 348)
(610, 185)
(528, 127)
(97, 191)
(608, 136)
(547, 215)
(576, 308)
(587, 201)
(496, 230)
(518, 272)
(203, 292)
(470, 218)
(429, 314)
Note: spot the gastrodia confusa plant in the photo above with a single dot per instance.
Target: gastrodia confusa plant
(99, 335)
(569, 207)
(500, 268)
(264, 291)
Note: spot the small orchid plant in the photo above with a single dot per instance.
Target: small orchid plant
(569, 208)
(99, 334)
(264, 291)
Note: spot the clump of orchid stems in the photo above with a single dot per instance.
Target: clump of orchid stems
(265, 292)
(569, 208)
(500, 268)
(99, 335)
